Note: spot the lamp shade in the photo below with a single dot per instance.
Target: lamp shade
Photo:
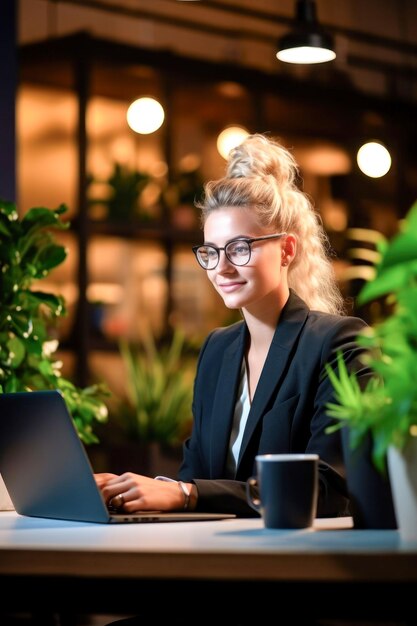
(308, 43)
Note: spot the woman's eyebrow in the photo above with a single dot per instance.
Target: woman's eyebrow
(210, 243)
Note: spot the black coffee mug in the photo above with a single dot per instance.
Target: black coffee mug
(287, 489)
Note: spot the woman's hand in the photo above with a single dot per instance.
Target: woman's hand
(132, 492)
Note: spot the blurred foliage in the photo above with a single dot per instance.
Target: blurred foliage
(129, 194)
(159, 389)
(123, 190)
(28, 252)
(185, 188)
(387, 407)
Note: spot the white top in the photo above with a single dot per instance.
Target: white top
(240, 418)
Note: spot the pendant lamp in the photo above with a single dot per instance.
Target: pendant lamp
(308, 43)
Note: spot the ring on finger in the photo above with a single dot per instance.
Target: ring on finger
(118, 501)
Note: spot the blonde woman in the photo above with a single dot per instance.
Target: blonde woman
(260, 385)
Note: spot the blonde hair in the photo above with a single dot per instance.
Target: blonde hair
(261, 174)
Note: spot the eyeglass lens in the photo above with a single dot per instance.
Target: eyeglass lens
(238, 253)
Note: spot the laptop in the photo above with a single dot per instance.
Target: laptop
(46, 469)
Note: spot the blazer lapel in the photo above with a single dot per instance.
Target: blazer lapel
(290, 324)
(224, 403)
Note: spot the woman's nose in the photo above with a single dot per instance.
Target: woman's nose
(224, 263)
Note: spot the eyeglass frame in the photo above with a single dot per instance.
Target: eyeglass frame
(248, 240)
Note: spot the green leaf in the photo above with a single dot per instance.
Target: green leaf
(398, 265)
(4, 230)
(390, 280)
(55, 304)
(21, 323)
(39, 217)
(48, 258)
(8, 210)
(16, 349)
(403, 246)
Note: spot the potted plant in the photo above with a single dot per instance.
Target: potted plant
(385, 411)
(28, 252)
(184, 188)
(155, 412)
(121, 200)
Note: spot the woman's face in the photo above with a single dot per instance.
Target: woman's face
(261, 284)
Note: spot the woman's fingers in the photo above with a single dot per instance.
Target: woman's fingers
(133, 492)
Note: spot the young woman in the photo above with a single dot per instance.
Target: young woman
(260, 385)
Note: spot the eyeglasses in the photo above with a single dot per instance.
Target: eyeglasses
(237, 251)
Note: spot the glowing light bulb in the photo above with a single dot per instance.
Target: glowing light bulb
(306, 55)
(229, 138)
(145, 115)
(373, 159)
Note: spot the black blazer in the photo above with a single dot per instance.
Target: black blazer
(288, 409)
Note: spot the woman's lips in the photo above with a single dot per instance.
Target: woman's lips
(229, 287)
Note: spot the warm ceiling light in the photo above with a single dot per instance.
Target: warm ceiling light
(308, 43)
(322, 158)
(373, 159)
(145, 115)
(229, 138)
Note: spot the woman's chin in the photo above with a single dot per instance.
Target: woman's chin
(233, 303)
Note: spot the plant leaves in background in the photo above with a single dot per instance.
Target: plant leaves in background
(159, 390)
(387, 407)
(28, 252)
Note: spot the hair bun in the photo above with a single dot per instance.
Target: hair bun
(258, 157)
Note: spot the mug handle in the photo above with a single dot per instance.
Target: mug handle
(253, 500)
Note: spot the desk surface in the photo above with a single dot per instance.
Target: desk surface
(238, 550)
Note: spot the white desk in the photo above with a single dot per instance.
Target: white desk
(105, 565)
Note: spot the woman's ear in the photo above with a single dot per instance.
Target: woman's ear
(289, 249)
